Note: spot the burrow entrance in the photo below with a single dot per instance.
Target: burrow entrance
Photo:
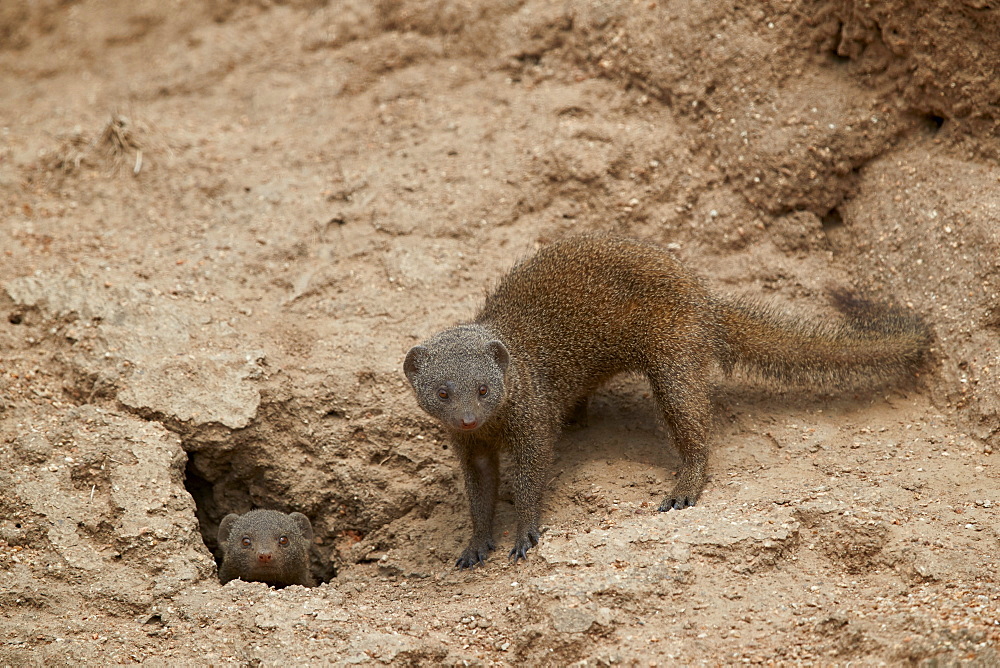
(233, 493)
(350, 477)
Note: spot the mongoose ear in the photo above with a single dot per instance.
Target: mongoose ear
(304, 525)
(414, 360)
(225, 526)
(500, 354)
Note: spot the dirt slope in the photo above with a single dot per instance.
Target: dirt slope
(224, 223)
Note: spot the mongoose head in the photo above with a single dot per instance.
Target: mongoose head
(266, 546)
(459, 376)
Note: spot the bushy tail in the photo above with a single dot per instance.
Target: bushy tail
(875, 343)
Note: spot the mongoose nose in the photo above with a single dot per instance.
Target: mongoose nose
(264, 557)
(469, 422)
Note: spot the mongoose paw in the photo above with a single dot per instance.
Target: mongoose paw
(676, 503)
(475, 555)
(523, 544)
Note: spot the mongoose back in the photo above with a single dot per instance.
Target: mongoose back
(589, 307)
(266, 546)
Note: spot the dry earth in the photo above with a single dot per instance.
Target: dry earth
(224, 223)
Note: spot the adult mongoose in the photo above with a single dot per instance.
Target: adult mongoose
(586, 308)
(266, 546)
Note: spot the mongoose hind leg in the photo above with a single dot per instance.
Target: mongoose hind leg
(481, 466)
(682, 394)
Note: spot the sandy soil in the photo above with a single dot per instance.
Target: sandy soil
(224, 223)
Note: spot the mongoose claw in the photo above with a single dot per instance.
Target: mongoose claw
(474, 556)
(522, 545)
(470, 561)
(676, 503)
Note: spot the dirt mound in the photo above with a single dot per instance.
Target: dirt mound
(931, 61)
(226, 222)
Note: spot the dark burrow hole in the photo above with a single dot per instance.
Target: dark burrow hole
(992, 319)
(832, 52)
(837, 58)
(532, 59)
(832, 219)
(934, 122)
(211, 505)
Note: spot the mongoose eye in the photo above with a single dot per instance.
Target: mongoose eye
(483, 390)
(283, 541)
(246, 541)
(443, 393)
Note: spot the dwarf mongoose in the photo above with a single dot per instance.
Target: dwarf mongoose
(589, 307)
(266, 546)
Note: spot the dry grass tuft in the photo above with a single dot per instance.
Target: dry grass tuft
(119, 145)
(122, 143)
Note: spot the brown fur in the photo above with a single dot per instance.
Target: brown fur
(587, 308)
(253, 549)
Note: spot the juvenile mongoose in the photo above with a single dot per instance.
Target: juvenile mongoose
(266, 546)
(589, 307)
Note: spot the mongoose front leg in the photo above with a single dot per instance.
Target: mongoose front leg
(531, 462)
(481, 468)
(687, 411)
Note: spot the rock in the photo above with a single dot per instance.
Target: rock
(390, 647)
(266, 622)
(651, 540)
(114, 516)
(200, 391)
(332, 615)
(177, 360)
(579, 620)
(921, 565)
(34, 447)
(572, 620)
